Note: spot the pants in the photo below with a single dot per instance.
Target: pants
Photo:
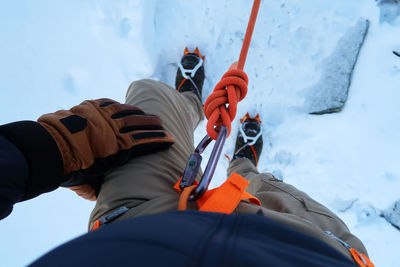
(145, 184)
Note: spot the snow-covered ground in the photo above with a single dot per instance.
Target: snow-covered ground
(56, 54)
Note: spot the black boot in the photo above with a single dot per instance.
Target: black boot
(190, 74)
(249, 141)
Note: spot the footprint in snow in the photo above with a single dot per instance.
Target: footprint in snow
(125, 27)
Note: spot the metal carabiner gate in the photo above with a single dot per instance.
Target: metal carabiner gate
(194, 163)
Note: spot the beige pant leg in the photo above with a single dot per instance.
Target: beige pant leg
(286, 204)
(145, 184)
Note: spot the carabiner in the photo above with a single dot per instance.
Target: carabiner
(193, 165)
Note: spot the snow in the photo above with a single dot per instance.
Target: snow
(56, 54)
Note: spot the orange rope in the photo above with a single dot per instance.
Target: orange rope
(233, 86)
(249, 34)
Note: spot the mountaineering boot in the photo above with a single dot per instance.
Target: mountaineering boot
(249, 141)
(190, 74)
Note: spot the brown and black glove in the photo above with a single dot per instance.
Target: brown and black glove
(76, 147)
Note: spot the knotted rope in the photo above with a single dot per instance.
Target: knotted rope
(232, 88)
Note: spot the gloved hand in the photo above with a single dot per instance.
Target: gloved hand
(76, 147)
(100, 134)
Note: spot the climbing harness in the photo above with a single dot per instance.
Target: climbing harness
(223, 199)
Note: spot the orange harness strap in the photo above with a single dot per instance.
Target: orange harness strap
(223, 199)
(361, 259)
(96, 225)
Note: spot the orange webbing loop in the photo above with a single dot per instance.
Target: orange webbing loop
(183, 199)
(233, 86)
(223, 199)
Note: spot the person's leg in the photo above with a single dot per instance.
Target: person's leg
(145, 184)
(287, 204)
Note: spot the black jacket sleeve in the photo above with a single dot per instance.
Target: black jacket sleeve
(30, 163)
(14, 176)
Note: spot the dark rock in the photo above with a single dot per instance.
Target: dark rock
(392, 214)
(330, 93)
(389, 10)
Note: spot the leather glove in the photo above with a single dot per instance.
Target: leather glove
(76, 147)
(100, 134)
